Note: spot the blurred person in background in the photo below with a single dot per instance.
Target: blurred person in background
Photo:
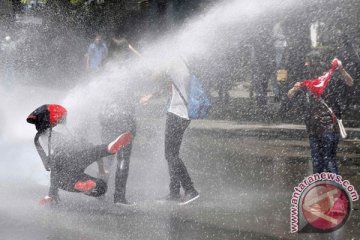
(280, 45)
(96, 54)
(119, 113)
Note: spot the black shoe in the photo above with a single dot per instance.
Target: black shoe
(189, 197)
(124, 202)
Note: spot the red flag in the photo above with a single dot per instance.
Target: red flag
(318, 85)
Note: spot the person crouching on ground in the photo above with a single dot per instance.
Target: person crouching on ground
(67, 157)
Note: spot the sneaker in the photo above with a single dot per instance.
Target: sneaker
(86, 186)
(124, 203)
(123, 140)
(189, 197)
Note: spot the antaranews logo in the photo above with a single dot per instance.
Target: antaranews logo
(321, 203)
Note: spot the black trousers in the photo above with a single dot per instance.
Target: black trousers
(70, 167)
(122, 172)
(110, 130)
(174, 131)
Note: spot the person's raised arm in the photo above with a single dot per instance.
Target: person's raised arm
(156, 77)
(106, 51)
(347, 78)
(87, 57)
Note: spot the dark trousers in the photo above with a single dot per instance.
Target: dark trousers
(122, 172)
(110, 130)
(323, 152)
(70, 168)
(179, 176)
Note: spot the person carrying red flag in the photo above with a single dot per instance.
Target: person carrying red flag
(325, 92)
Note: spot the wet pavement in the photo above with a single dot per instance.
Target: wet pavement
(245, 182)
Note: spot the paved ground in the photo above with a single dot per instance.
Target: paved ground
(245, 173)
(245, 176)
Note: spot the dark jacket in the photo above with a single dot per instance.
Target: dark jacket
(59, 159)
(318, 118)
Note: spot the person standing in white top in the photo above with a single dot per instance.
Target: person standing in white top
(179, 76)
(177, 120)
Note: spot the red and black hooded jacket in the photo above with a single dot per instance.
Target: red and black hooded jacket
(45, 118)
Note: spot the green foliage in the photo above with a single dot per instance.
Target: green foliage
(28, 1)
(77, 2)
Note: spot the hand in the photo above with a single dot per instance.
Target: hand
(47, 200)
(336, 64)
(145, 99)
(297, 85)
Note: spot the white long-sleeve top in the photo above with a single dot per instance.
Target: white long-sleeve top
(180, 75)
